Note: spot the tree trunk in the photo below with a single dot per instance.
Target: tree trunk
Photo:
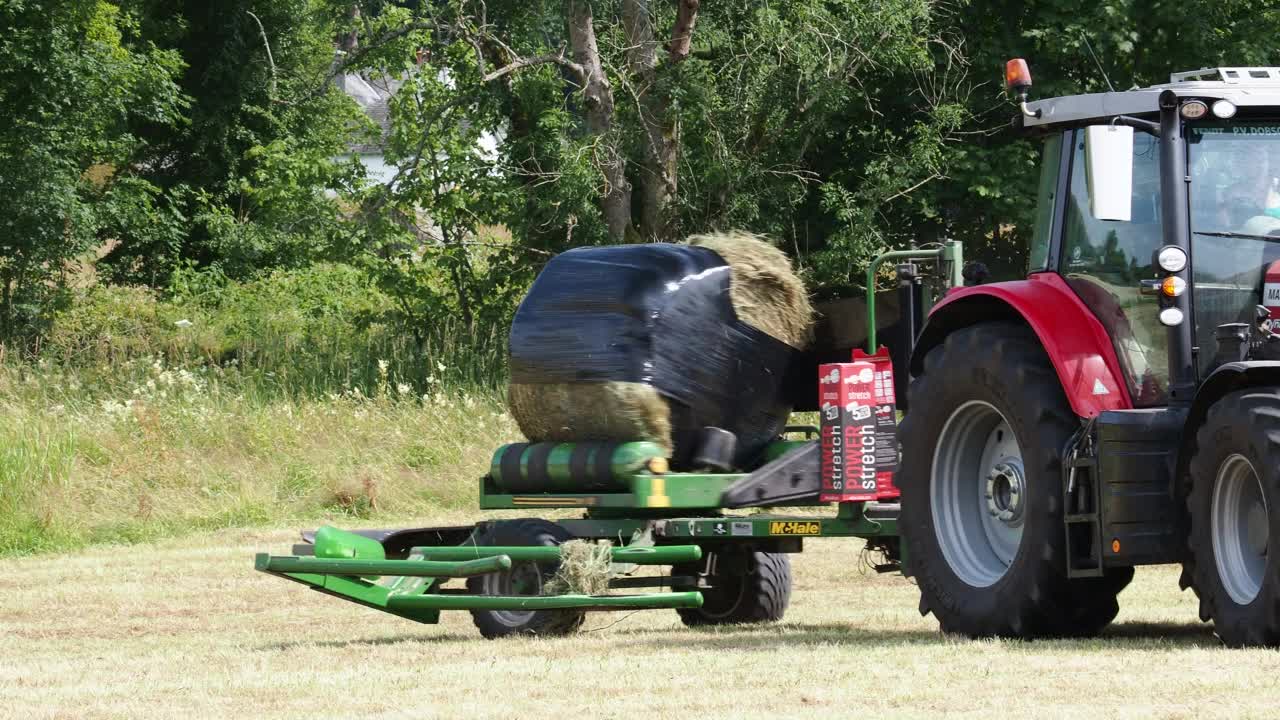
(658, 178)
(350, 42)
(659, 181)
(597, 96)
(682, 31)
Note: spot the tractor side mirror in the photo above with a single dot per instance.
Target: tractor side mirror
(1108, 151)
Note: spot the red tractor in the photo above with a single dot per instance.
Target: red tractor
(1121, 405)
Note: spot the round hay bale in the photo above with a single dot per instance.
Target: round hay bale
(590, 411)
(766, 292)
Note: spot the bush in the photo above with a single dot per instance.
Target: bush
(326, 328)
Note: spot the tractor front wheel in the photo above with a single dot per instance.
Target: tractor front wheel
(1235, 517)
(981, 482)
(524, 578)
(742, 587)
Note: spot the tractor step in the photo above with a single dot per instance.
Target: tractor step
(1082, 520)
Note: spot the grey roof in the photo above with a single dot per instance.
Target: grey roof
(372, 95)
(1245, 87)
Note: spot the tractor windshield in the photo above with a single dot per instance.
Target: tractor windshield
(1235, 214)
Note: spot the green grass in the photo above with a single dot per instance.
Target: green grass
(300, 396)
(161, 451)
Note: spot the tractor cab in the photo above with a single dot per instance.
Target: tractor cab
(1121, 405)
(1103, 227)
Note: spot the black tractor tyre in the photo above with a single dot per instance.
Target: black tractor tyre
(1093, 603)
(1240, 435)
(996, 366)
(746, 587)
(524, 578)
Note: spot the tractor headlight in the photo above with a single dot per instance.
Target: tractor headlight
(1224, 109)
(1171, 258)
(1171, 317)
(1194, 109)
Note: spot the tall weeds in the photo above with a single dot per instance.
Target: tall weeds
(300, 397)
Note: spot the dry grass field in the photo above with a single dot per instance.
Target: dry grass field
(186, 628)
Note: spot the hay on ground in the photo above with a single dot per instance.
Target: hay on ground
(585, 569)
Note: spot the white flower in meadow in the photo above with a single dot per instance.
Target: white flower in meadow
(382, 366)
(431, 379)
(184, 323)
(403, 389)
(440, 366)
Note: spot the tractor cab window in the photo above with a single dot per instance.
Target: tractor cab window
(1050, 163)
(1235, 213)
(1104, 261)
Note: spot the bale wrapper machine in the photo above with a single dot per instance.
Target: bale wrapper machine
(725, 553)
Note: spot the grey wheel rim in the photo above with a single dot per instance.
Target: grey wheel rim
(1240, 529)
(523, 579)
(978, 493)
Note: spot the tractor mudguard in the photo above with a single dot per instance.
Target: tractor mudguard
(1072, 337)
(1228, 378)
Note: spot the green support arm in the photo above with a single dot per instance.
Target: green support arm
(951, 251)
(403, 568)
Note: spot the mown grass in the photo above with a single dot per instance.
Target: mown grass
(186, 628)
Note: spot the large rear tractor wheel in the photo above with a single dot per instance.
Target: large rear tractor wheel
(981, 481)
(1235, 517)
(744, 587)
(524, 578)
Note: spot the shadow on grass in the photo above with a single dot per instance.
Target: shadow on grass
(1136, 636)
(1190, 634)
(1121, 636)
(374, 641)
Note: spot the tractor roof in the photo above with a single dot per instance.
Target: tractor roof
(1243, 86)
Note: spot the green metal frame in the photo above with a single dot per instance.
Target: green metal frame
(347, 565)
(950, 252)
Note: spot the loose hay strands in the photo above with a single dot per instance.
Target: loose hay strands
(766, 292)
(591, 411)
(585, 569)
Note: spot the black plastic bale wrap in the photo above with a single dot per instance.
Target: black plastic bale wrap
(656, 317)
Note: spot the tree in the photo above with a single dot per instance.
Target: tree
(813, 120)
(250, 170)
(75, 76)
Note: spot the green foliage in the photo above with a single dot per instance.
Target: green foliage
(311, 332)
(421, 235)
(74, 78)
(791, 119)
(811, 121)
(248, 175)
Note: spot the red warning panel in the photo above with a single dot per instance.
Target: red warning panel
(859, 429)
